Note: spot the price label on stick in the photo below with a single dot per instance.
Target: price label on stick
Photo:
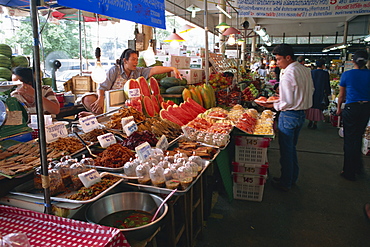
(126, 120)
(162, 143)
(144, 150)
(88, 123)
(130, 128)
(106, 140)
(89, 178)
(55, 131)
(133, 93)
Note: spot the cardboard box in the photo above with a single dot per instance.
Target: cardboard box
(165, 59)
(180, 62)
(193, 76)
(196, 63)
(81, 84)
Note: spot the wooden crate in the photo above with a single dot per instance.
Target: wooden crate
(81, 84)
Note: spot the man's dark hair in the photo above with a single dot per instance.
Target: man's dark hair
(360, 58)
(320, 63)
(228, 74)
(283, 50)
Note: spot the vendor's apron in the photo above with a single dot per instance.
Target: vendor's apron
(119, 83)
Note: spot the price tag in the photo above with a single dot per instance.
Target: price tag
(133, 93)
(130, 128)
(185, 131)
(89, 178)
(144, 151)
(106, 140)
(162, 143)
(88, 123)
(126, 120)
(55, 131)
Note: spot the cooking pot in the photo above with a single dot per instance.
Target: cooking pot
(129, 201)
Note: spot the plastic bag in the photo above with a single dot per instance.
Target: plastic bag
(15, 240)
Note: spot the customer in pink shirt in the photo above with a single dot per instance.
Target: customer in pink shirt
(295, 91)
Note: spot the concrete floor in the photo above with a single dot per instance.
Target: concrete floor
(323, 209)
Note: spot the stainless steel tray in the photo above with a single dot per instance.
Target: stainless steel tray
(28, 189)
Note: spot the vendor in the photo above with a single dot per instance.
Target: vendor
(26, 93)
(124, 70)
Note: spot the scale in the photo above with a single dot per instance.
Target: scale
(13, 116)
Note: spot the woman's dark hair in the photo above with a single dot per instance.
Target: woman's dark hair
(360, 58)
(228, 74)
(26, 75)
(126, 55)
(276, 86)
(283, 50)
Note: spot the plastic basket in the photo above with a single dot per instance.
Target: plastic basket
(248, 192)
(250, 149)
(253, 169)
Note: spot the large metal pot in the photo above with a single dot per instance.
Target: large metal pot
(129, 201)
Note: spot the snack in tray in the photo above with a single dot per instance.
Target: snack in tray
(138, 138)
(273, 99)
(56, 182)
(92, 136)
(115, 119)
(172, 184)
(142, 171)
(85, 194)
(114, 156)
(217, 112)
(156, 174)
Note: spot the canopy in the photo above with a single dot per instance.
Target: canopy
(150, 13)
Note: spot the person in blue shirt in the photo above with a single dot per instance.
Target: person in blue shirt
(354, 87)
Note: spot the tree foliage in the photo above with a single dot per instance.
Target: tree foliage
(62, 37)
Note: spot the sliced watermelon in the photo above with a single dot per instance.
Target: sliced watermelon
(132, 83)
(154, 86)
(144, 88)
(170, 102)
(175, 112)
(164, 114)
(155, 103)
(181, 112)
(189, 109)
(164, 105)
(160, 99)
(148, 106)
(196, 105)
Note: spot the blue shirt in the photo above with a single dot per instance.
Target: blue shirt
(357, 84)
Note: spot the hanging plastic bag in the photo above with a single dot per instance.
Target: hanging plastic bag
(15, 240)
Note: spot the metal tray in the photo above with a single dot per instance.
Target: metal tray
(28, 189)
(158, 190)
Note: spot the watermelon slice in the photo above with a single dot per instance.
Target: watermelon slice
(148, 106)
(170, 102)
(174, 112)
(164, 105)
(164, 114)
(154, 86)
(144, 88)
(189, 109)
(155, 103)
(196, 105)
(181, 112)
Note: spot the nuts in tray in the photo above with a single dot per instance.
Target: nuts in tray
(114, 156)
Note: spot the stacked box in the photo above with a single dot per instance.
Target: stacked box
(250, 167)
(193, 76)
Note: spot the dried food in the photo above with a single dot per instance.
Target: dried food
(114, 156)
(138, 138)
(85, 194)
(115, 119)
(66, 144)
(92, 136)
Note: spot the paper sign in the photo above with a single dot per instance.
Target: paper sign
(162, 143)
(89, 178)
(133, 93)
(130, 128)
(55, 131)
(88, 123)
(126, 120)
(144, 151)
(106, 140)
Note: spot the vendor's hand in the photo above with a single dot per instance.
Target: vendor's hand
(339, 111)
(84, 114)
(267, 105)
(27, 92)
(98, 106)
(177, 73)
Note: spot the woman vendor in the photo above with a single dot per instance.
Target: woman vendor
(25, 93)
(124, 70)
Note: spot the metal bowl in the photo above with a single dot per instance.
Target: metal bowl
(129, 201)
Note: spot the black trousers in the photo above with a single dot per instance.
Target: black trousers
(355, 119)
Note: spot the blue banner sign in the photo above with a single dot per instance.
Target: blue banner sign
(147, 12)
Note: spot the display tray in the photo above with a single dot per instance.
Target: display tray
(267, 136)
(154, 189)
(28, 189)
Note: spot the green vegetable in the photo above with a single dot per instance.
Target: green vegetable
(175, 90)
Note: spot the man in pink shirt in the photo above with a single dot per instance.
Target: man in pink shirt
(295, 91)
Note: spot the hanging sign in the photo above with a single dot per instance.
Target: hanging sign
(301, 9)
(143, 151)
(150, 13)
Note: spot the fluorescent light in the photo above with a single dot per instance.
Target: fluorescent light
(223, 11)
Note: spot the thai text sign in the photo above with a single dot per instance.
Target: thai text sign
(147, 12)
(302, 8)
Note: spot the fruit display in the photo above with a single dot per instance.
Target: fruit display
(218, 81)
(253, 123)
(7, 62)
(204, 95)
